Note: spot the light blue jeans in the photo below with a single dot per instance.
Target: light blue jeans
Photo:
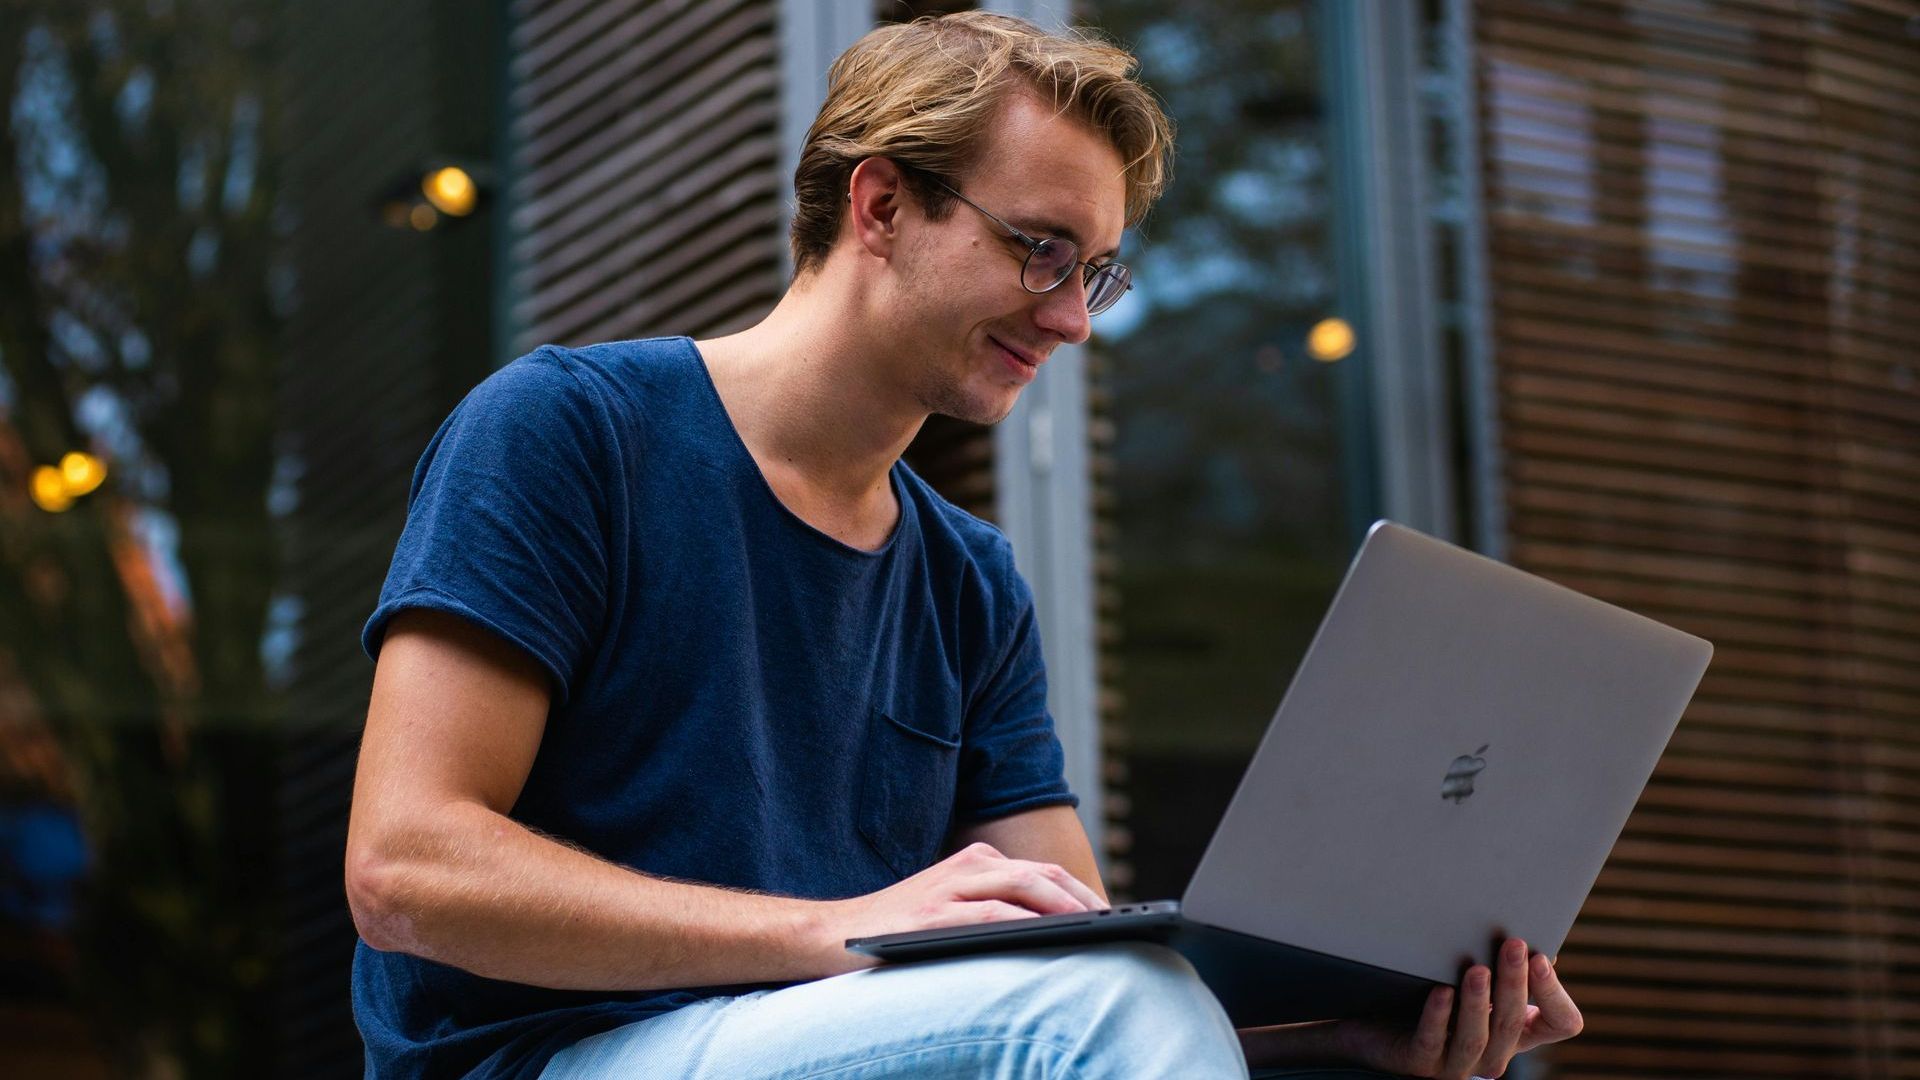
(1123, 1010)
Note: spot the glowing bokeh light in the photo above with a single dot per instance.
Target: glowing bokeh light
(49, 490)
(1330, 340)
(451, 191)
(82, 472)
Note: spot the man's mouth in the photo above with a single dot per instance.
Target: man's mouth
(1015, 356)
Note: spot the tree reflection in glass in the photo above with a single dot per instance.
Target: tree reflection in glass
(1227, 514)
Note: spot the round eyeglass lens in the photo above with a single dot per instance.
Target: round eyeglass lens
(1049, 264)
(1107, 287)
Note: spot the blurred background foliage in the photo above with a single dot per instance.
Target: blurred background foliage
(140, 238)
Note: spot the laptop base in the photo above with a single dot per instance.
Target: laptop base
(1259, 982)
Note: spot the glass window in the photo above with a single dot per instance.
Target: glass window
(1225, 504)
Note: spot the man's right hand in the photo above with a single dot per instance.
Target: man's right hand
(976, 884)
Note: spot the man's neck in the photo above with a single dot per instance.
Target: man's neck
(814, 392)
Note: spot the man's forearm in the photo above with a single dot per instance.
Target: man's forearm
(481, 892)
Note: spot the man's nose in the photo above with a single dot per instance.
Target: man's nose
(1063, 311)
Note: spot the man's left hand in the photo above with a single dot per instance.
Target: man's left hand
(1493, 1023)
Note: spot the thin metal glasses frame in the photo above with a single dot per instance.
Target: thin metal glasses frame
(1113, 270)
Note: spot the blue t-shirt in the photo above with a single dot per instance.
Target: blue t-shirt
(738, 698)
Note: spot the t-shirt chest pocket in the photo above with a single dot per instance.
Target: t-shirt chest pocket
(908, 773)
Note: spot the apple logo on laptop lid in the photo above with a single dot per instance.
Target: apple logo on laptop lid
(1459, 782)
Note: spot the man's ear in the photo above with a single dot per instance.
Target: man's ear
(875, 195)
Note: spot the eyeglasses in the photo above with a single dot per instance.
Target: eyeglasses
(1051, 259)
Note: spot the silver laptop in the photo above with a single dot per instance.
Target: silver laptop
(1454, 760)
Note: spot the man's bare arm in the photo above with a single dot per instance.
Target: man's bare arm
(435, 867)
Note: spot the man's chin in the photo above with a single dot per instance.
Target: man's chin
(983, 409)
(992, 420)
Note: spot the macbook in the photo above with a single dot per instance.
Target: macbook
(1457, 753)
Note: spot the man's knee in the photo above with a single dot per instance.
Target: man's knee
(1135, 973)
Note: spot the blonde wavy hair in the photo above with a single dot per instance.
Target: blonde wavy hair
(922, 94)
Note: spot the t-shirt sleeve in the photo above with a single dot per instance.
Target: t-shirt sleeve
(507, 518)
(1010, 758)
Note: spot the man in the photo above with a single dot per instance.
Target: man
(683, 678)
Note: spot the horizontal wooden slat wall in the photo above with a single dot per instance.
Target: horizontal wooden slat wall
(1116, 781)
(1703, 223)
(646, 190)
(382, 337)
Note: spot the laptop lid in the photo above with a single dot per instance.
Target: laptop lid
(1454, 760)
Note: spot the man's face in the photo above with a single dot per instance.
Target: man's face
(962, 304)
